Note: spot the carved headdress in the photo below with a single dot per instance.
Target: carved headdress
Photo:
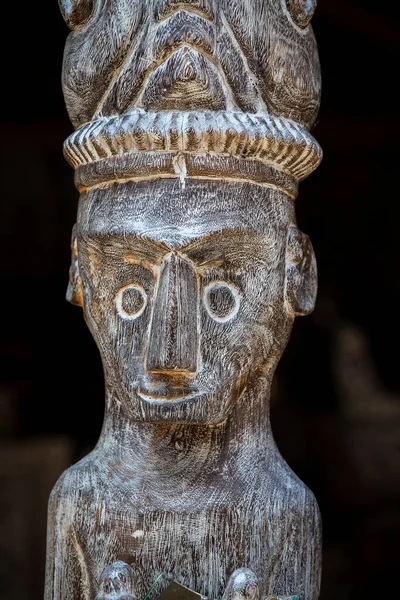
(208, 89)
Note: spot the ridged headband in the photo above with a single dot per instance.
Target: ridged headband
(258, 148)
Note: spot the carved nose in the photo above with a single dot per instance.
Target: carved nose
(173, 334)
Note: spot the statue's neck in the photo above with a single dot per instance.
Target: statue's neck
(187, 457)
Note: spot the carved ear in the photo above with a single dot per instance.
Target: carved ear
(301, 11)
(76, 12)
(301, 274)
(74, 290)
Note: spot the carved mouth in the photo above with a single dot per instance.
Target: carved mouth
(166, 398)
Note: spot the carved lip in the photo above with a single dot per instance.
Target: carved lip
(164, 399)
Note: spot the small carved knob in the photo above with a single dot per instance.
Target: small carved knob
(76, 12)
(116, 582)
(302, 11)
(242, 585)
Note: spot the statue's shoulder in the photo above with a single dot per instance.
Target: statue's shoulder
(292, 494)
(302, 506)
(68, 516)
(77, 484)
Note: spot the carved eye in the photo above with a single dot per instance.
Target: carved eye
(131, 301)
(76, 12)
(222, 301)
(301, 11)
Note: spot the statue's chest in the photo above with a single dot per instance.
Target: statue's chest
(196, 547)
(138, 531)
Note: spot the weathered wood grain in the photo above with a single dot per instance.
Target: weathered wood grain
(191, 137)
(121, 52)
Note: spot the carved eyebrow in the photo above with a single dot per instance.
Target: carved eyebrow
(160, 248)
(218, 249)
(124, 243)
(223, 236)
(222, 248)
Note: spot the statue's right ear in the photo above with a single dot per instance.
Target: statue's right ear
(74, 290)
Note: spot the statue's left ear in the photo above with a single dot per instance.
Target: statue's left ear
(74, 290)
(301, 274)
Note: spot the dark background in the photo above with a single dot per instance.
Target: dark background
(336, 413)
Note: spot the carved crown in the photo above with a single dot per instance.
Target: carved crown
(201, 88)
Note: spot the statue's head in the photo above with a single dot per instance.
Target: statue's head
(190, 292)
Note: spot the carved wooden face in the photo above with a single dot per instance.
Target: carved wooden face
(184, 292)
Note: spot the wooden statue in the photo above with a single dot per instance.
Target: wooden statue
(191, 136)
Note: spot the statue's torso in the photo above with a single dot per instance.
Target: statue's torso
(197, 537)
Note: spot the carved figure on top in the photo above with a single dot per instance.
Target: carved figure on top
(231, 55)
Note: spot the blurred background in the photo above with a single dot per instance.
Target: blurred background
(336, 410)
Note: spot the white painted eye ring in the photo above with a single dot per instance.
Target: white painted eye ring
(235, 296)
(119, 301)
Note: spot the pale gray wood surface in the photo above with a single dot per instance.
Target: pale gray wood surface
(191, 137)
